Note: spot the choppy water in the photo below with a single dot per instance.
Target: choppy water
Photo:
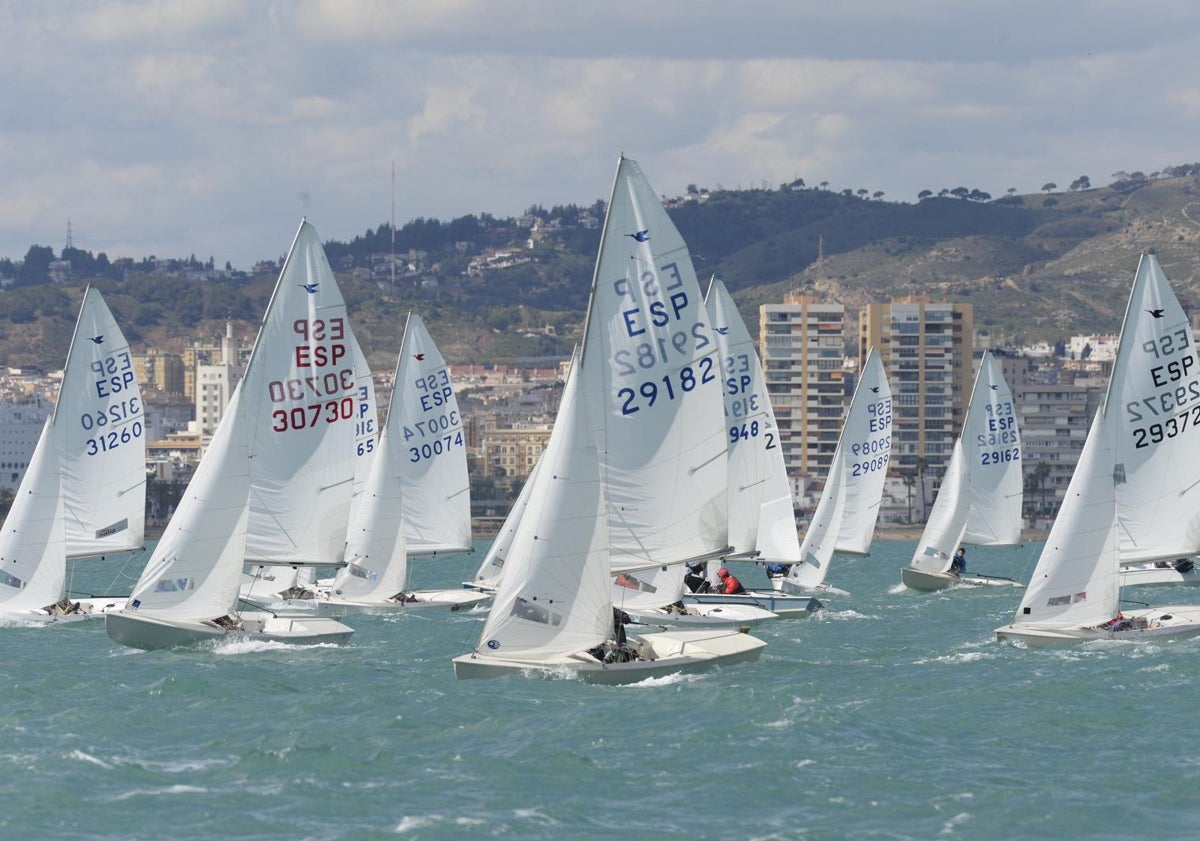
(892, 716)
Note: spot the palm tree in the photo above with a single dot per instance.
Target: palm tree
(922, 465)
(1036, 479)
(909, 481)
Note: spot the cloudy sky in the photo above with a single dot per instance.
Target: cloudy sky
(209, 127)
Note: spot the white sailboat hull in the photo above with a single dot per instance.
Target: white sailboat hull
(704, 616)
(930, 582)
(781, 584)
(451, 600)
(92, 608)
(783, 604)
(154, 632)
(665, 653)
(1132, 576)
(1146, 624)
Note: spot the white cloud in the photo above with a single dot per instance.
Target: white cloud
(179, 127)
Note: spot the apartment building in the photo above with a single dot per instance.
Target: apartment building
(802, 344)
(926, 348)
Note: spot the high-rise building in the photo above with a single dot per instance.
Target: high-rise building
(926, 349)
(215, 383)
(159, 371)
(802, 344)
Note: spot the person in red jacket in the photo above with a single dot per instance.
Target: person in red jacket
(730, 585)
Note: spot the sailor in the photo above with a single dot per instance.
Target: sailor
(730, 586)
(958, 565)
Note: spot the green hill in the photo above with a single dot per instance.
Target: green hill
(1036, 267)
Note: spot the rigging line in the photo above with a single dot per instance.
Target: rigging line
(323, 488)
(722, 454)
(134, 486)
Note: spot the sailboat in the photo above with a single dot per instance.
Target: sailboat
(417, 499)
(276, 480)
(292, 586)
(845, 517)
(84, 492)
(634, 475)
(979, 502)
(1134, 492)
(762, 521)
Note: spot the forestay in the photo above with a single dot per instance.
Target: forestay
(846, 514)
(653, 396)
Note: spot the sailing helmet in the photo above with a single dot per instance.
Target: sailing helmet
(722, 573)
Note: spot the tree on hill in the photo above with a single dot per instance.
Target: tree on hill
(1080, 183)
(924, 194)
(36, 267)
(1049, 187)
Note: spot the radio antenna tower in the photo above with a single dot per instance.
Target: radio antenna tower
(393, 226)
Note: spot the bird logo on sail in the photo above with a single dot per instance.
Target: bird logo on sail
(310, 288)
(1158, 313)
(641, 236)
(721, 330)
(420, 357)
(98, 339)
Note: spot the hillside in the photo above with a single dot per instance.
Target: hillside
(1036, 267)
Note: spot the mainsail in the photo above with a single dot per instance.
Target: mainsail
(653, 397)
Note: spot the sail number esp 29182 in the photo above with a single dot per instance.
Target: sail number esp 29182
(659, 308)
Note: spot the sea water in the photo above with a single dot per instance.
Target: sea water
(890, 715)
